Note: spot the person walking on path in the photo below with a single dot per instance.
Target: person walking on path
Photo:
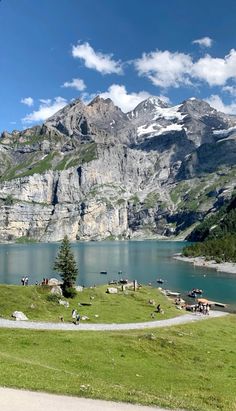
(74, 315)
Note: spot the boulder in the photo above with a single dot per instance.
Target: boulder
(56, 289)
(79, 288)
(65, 303)
(54, 281)
(112, 290)
(19, 316)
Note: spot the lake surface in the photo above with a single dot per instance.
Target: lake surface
(145, 261)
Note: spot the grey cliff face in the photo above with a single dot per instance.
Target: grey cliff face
(94, 172)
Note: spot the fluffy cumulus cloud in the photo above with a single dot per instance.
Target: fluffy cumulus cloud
(29, 101)
(165, 69)
(203, 42)
(121, 98)
(103, 63)
(215, 101)
(46, 109)
(75, 83)
(216, 71)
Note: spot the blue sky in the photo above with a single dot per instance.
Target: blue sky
(52, 51)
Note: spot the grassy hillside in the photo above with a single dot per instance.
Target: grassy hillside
(190, 367)
(216, 235)
(128, 306)
(217, 225)
(27, 158)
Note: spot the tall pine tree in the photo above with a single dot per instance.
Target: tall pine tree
(65, 265)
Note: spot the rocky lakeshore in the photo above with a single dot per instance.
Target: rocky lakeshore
(225, 267)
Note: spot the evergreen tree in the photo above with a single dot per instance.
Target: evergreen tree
(65, 264)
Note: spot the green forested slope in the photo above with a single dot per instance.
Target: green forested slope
(216, 236)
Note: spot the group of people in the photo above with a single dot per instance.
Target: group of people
(24, 281)
(202, 308)
(75, 316)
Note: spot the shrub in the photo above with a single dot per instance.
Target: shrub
(9, 200)
(69, 292)
(53, 298)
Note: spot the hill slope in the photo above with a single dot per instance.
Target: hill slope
(217, 235)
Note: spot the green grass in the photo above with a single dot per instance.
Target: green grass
(127, 306)
(41, 166)
(191, 367)
(24, 240)
(85, 154)
(134, 199)
(151, 200)
(32, 164)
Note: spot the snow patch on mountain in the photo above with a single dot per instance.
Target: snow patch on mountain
(156, 130)
(224, 132)
(170, 113)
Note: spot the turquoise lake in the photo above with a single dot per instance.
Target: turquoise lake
(145, 261)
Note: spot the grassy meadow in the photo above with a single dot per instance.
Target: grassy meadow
(191, 367)
(128, 306)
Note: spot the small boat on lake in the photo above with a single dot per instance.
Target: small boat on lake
(103, 272)
(160, 281)
(192, 294)
(123, 281)
(195, 292)
(171, 293)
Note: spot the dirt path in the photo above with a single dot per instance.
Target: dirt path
(183, 319)
(19, 400)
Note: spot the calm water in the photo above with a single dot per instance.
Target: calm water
(144, 261)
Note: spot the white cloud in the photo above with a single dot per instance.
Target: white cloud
(215, 101)
(76, 83)
(46, 109)
(29, 101)
(203, 42)
(127, 102)
(216, 71)
(165, 69)
(96, 60)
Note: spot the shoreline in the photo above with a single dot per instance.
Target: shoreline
(202, 262)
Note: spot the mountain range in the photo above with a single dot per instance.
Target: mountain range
(93, 172)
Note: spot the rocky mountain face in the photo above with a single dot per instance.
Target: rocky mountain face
(93, 172)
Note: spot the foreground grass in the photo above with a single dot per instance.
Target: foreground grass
(128, 306)
(192, 367)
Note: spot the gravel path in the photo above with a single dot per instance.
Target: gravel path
(183, 319)
(20, 400)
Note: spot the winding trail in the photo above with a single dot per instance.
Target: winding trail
(183, 319)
